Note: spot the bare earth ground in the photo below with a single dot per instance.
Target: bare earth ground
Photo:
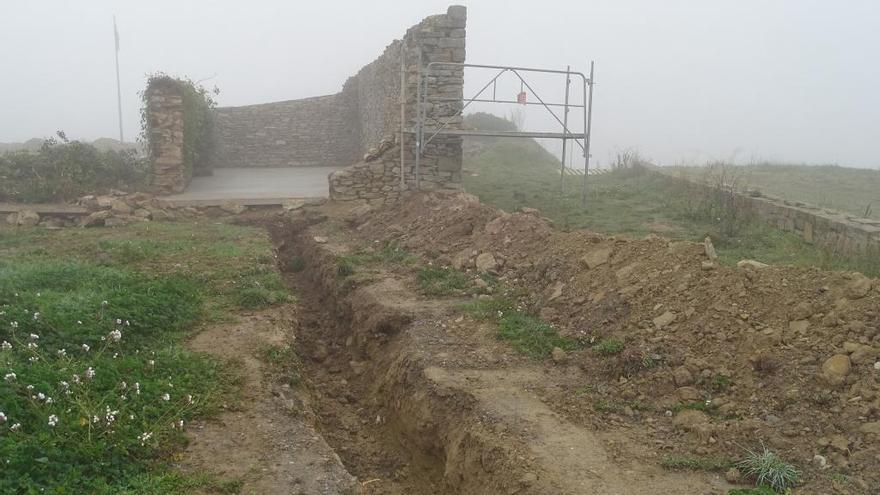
(715, 360)
(418, 400)
(264, 439)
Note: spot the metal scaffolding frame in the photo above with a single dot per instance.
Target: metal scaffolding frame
(426, 131)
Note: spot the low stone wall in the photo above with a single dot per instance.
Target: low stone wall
(165, 123)
(297, 133)
(832, 230)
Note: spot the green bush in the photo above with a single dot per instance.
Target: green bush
(199, 143)
(62, 170)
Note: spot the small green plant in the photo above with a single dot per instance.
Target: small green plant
(692, 463)
(760, 490)
(767, 468)
(705, 406)
(608, 347)
(283, 361)
(256, 297)
(297, 264)
(719, 383)
(531, 336)
(484, 309)
(442, 281)
(344, 267)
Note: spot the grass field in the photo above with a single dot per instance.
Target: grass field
(849, 190)
(98, 387)
(510, 174)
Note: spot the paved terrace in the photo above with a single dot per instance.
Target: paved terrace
(255, 186)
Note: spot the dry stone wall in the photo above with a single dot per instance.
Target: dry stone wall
(165, 124)
(834, 231)
(377, 89)
(297, 133)
(358, 128)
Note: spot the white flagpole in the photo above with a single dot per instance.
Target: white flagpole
(118, 87)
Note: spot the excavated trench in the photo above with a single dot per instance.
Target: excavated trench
(364, 355)
(397, 394)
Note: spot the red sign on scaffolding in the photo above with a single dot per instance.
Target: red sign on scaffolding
(521, 98)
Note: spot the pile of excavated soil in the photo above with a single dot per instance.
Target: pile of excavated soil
(716, 359)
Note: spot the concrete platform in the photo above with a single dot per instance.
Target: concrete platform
(255, 186)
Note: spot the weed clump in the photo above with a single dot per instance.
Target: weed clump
(608, 347)
(768, 469)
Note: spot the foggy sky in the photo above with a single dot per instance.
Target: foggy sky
(686, 80)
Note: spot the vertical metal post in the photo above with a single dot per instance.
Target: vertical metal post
(419, 120)
(402, 113)
(564, 130)
(588, 122)
(118, 85)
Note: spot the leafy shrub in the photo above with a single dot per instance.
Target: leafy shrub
(62, 170)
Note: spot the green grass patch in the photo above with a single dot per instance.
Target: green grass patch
(511, 175)
(531, 336)
(761, 490)
(527, 333)
(284, 362)
(443, 281)
(694, 463)
(96, 388)
(704, 406)
(608, 347)
(111, 429)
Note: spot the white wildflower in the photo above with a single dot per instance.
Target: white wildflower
(37, 315)
(33, 359)
(5, 346)
(32, 345)
(79, 322)
(49, 400)
(137, 388)
(166, 397)
(2, 417)
(118, 321)
(75, 378)
(85, 347)
(34, 336)
(9, 377)
(115, 335)
(53, 420)
(64, 385)
(29, 388)
(41, 396)
(143, 437)
(14, 325)
(189, 398)
(61, 352)
(90, 373)
(15, 427)
(151, 362)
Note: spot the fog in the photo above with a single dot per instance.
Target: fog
(793, 81)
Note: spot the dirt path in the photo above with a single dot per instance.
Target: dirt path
(267, 441)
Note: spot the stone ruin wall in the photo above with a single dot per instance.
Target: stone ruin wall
(358, 128)
(377, 90)
(298, 133)
(837, 232)
(165, 121)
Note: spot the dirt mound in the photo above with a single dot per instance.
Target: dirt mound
(784, 356)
